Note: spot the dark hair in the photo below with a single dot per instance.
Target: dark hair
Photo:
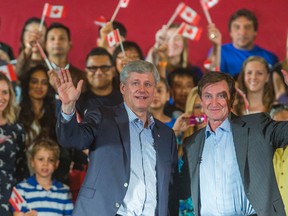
(7, 49)
(99, 51)
(244, 13)
(127, 45)
(28, 22)
(56, 25)
(27, 115)
(116, 25)
(181, 72)
(215, 77)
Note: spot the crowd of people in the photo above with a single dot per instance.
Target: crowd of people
(144, 134)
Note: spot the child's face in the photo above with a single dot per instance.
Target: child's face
(44, 163)
(161, 96)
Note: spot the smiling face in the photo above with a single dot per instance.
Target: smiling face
(175, 43)
(4, 95)
(215, 98)
(255, 76)
(242, 33)
(38, 85)
(138, 91)
(44, 163)
(100, 72)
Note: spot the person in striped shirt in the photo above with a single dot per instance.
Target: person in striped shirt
(43, 195)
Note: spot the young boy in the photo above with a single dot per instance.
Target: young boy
(44, 196)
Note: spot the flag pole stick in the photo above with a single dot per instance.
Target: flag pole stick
(115, 12)
(43, 17)
(173, 17)
(44, 56)
(206, 12)
(121, 44)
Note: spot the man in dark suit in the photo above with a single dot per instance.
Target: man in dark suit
(132, 155)
(230, 161)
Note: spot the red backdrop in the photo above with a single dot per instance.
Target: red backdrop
(142, 19)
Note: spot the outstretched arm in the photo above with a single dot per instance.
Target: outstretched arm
(68, 94)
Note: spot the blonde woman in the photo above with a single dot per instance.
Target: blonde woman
(12, 152)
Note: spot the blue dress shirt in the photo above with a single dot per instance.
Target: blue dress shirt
(221, 188)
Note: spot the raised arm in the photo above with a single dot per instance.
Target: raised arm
(68, 94)
(215, 37)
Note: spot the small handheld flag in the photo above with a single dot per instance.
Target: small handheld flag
(52, 11)
(121, 4)
(9, 71)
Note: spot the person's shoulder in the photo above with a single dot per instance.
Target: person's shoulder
(265, 51)
(227, 46)
(255, 119)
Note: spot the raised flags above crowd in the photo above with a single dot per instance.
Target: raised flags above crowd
(52, 11)
(9, 71)
(189, 31)
(113, 38)
(188, 14)
(121, 4)
(210, 3)
(206, 5)
(100, 21)
(124, 3)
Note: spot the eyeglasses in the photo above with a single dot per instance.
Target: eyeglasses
(103, 68)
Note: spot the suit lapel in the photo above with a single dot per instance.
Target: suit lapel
(240, 138)
(122, 121)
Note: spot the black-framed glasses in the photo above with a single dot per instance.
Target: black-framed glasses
(103, 68)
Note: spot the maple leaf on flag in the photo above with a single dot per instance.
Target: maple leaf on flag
(187, 14)
(113, 38)
(54, 11)
(101, 21)
(124, 3)
(209, 3)
(16, 200)
(9, 71)
(190, 32)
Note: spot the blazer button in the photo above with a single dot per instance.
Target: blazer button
(117, 205)
(125, 184)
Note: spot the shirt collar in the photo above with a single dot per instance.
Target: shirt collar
(225, 126)
(33, 181)
(133, 118)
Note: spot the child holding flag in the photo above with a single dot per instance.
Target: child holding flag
(40, 194)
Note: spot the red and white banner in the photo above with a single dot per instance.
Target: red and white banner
(113, 38)
(16, 200)
(9, 71)
(124, 3)
(54, 11)
(100, 21)
(187, 14)
(210, 3)
(190, 32)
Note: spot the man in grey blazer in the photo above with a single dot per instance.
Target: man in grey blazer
(132, 155)
(230, 161)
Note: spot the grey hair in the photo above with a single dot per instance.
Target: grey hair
(139, 66)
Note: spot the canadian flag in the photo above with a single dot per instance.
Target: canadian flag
(101, 21)
(16, 200)
(124, 3)
(187, 14)
(113, 38)
(54, 11)
(207, 65)
(9, 71)
(190, 32)
(209, 3)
